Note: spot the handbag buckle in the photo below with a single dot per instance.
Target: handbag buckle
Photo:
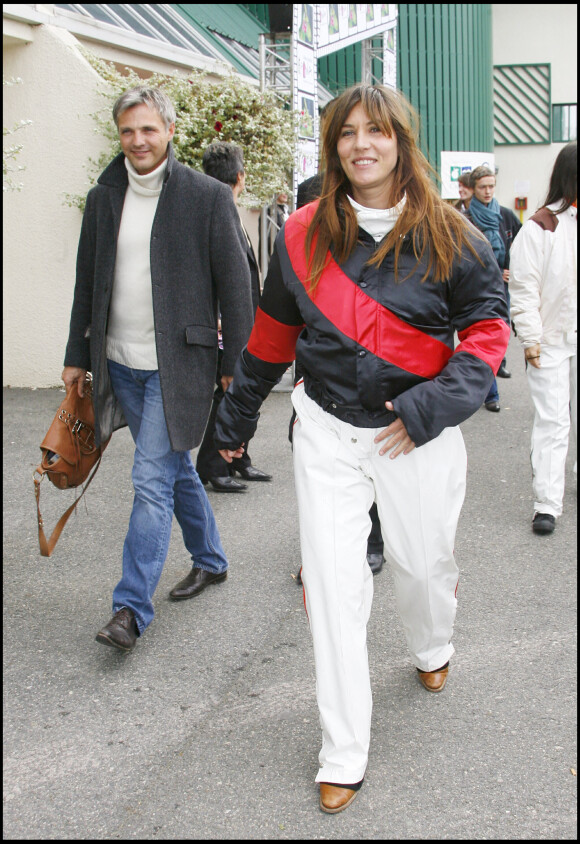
(84, 434)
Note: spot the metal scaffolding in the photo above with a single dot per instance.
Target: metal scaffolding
(370, 54)
(276, 51)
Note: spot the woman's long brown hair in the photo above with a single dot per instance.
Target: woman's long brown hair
(436, 228)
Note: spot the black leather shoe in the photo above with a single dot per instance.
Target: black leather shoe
(250, 473)
(503, 372)
(224, 484)
(194, 583)
(375, 562)
(493, 406)
(121, 631)
(543, 523)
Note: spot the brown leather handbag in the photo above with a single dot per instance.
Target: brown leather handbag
(69, 455)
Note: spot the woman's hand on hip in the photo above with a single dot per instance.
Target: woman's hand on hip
(397, 436)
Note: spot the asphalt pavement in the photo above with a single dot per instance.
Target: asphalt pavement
(209, 729)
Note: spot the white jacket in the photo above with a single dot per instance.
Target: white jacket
(542, 281)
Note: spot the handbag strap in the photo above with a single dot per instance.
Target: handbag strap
(47, 546)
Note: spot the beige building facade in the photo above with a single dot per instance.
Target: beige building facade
(58, 93)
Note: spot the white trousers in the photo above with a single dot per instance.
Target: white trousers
(338, 475)
(553, 391)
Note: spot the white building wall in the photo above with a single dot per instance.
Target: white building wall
(534, 34)
(40, 233)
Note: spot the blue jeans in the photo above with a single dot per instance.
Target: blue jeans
(165, 482)
(493, 394)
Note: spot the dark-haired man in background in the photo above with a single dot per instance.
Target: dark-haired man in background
(225, 162)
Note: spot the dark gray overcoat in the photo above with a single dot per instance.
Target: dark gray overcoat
(196, 260)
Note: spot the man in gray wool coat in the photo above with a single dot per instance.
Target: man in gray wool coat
(158, 249)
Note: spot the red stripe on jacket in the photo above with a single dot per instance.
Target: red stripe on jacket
(273, 341)
(483, 339)
(362, 318)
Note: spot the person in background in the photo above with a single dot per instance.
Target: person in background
(465, 192)
(159, 246)
(225, 162)
(543, 290)
(309, 190)
(278, 214)
(500, 226)
(366, 289)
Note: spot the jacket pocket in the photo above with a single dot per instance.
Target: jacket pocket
(201, 335)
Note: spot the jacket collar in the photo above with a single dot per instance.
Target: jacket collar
(115, 174)
(368, 240)
(572, 211)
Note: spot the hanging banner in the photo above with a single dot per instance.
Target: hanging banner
(342, 24)
(305, 90)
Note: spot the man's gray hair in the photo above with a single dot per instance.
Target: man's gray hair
(152, 97)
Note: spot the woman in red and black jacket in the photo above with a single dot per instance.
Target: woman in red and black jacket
(366, 289)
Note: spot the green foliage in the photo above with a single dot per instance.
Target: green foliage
(227, 110)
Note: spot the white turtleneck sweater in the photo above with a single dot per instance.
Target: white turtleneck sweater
(377, 221)
(131, 328)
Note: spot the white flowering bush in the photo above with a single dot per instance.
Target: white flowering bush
(10, 153)
(228, 110)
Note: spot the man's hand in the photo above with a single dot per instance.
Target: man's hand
(396, 432)
(228, 455)
(226, 380)
(71, 375)
(532, 355)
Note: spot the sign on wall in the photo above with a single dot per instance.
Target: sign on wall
(453, 164)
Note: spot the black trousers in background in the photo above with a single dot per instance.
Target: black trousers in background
(375, 541)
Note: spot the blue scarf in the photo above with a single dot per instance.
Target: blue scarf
(487, 218)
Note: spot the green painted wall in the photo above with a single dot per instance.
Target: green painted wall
(445, 68)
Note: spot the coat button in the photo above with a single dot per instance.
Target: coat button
(362, 354)
(333, 406)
